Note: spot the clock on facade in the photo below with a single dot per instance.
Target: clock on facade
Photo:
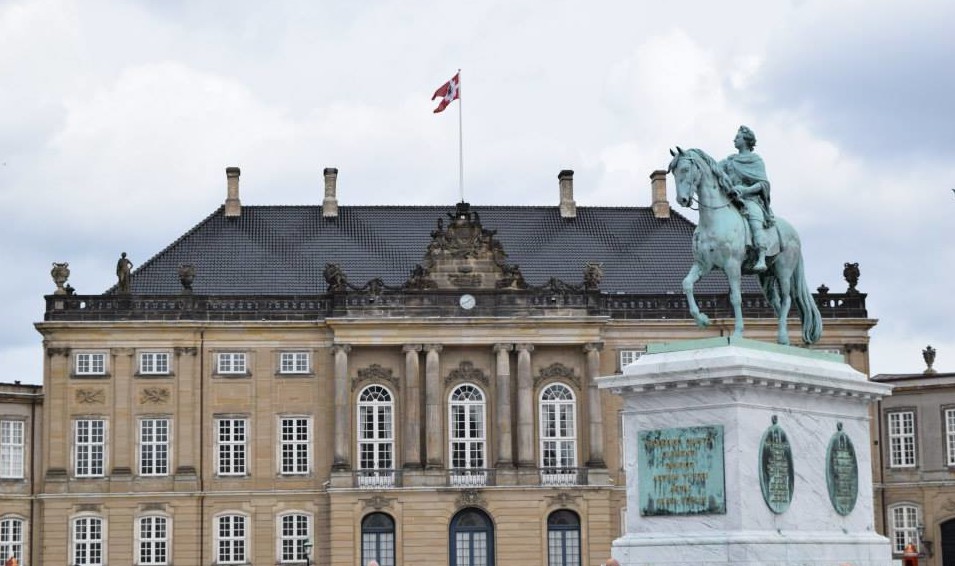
(467, 302)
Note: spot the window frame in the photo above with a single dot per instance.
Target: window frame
(897, 452)
(560, 441)
(899, 537)
(8, 544)
(563, 533)
(154, 541)
(220, 447)
(296, 445)
(88, 542)
(11, 452)
(89, 367)
(377, 536)
(294, 367)
(242, 539)
(231, 368)
(381, 442)
(90, 448)
(154, 357)
(948, 434)
(166, 446)
(467, 441)
(297, 540)
(635, 353)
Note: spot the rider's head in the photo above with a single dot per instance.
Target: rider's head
(748, 136)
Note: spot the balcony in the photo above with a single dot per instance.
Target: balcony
(470, 477)
(377, 479)
(563, 477)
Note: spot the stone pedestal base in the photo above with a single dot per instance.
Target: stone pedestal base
(740, 388)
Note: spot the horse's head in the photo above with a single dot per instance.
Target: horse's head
(686, 172)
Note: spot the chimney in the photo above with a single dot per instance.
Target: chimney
(330, 203)
(568, 208)
(658, 190)
(232, 205)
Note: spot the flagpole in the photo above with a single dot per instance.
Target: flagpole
(460, 140)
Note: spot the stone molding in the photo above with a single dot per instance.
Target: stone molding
(557, 371)
(466, 372)
(377, 502)
(470, 498)
(374, 372)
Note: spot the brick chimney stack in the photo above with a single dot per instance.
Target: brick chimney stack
(330, 203)
(658, 190)
(233, 208)
(568, 208)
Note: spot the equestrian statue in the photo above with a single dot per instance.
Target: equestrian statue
(739, 234)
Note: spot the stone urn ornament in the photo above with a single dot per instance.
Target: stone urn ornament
(60, 273)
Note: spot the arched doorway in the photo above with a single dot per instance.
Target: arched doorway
(947, 544)
(563, 538)
(471, 539)
(378, 539)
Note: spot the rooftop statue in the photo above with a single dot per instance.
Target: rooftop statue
(738, 234)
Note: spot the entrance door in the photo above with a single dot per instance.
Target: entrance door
(472, 539)
(947, 543)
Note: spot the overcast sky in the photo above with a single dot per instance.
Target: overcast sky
(117, 120)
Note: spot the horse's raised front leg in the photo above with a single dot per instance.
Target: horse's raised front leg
(688, 282)
(734, 277)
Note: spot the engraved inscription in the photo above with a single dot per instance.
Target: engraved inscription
(776, 474)
(842, 472)
(680, 471)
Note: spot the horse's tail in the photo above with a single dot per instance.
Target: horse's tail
(808, 311)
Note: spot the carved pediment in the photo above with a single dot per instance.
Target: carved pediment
(557, 370)
(374, 372)
(466, 372)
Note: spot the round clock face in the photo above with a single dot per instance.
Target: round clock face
(467, 302)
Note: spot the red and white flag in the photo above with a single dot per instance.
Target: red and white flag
(449, 91)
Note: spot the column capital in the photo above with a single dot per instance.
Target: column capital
(433, 347)
(593, 346)
(524, 347)
(503, 347)
(411, 348)
(122, 351)
(344, 348)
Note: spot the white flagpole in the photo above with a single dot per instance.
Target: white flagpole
(460, 140)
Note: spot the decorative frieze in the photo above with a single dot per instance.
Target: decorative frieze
(466, 372)
(90, 396)
(153, 395)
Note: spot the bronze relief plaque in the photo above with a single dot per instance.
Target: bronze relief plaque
(842, 472)
(776, 474)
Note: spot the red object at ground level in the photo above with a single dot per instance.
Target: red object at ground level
(910, 557)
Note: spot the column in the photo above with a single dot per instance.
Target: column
(435, 431)
(525, 407)
(342, 412)
(594, 407)
(505, 446)
(412, 406)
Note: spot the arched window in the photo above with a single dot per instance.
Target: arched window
(11, 538)
(378, 539)
(558, 435)
(152, 540)
(88, 541)
(231, 538)
(466, 422)
(376, 437)
(904, 520)
(563, 538)
(472, 539)
(294, 532)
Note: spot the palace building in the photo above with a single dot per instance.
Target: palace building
(332, 384)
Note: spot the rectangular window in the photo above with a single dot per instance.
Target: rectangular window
(950, 435)
(90, 448)
(294, 362)
(88, 541)
(11, 539)
(902, 439)
(154, 447)
(91, 364)
(293, 536)
(11, 449)
(905, 520)
(627, 357)
(231, 440)
(154, 363)
(231, 362)
(153, 541)
(294, 441)
(230, 536)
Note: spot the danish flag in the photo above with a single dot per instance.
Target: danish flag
(449, 91)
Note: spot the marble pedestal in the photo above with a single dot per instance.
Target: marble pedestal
(738, 386)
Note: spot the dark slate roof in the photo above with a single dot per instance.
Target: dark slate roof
(282, 250)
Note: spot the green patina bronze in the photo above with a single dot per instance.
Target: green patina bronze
(776, 474)
(738, 234)
(680, 471)
(842, 472)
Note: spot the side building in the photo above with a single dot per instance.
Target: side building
(334, 384)
(915, 471)
(21, 409)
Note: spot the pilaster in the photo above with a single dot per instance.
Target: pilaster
(342, 412)
(435, 430)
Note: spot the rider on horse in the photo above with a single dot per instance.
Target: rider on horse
(748, 186)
